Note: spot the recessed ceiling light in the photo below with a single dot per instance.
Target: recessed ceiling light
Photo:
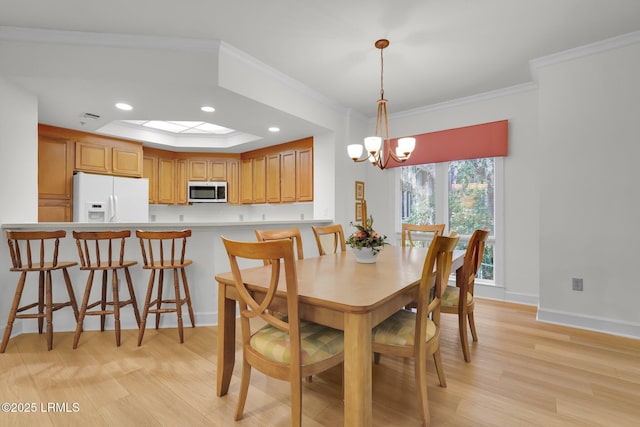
(207, 109)
(274, 129)
(123, 106)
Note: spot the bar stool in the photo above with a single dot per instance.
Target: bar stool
(41, 251)
(101, 251)
(164, 250)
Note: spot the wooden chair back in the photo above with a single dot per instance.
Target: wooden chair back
(473, 258)
(329, 236)
(407, 229)
(275, 251)
(100, 250)
(438, 259)
(292, 233)
(164, 249)
(35, 250)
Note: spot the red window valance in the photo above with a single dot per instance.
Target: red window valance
(469, 142)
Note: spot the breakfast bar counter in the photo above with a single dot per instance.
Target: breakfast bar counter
(204, 248)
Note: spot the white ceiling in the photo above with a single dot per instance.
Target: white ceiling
(440, 50)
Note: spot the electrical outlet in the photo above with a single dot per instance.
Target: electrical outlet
(576, 284)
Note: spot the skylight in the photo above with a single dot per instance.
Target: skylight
(183, 127)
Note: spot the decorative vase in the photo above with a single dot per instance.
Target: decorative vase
(365, 255)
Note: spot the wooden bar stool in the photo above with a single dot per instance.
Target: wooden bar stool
(164, 250)
(104, 251)
(40, 249)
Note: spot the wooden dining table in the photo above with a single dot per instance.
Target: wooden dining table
(336, 291)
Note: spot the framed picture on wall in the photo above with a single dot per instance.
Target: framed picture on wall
(358, 210)
(359, 190)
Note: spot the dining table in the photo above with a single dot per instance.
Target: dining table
(337, 291)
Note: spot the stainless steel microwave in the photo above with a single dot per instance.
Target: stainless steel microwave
(207, 191)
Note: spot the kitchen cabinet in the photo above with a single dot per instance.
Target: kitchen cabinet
(55, 179)
(278, 174)
(273, 178)
(122, 158)
(233, 181)
(166, 181)
(92, 157)
(259, 179)
(50, 210)
(289, 179)
(217, 170)
(304, 174)
(252, 180)
(181, 182)
(150, 171)
(167, 177)
(207, 170)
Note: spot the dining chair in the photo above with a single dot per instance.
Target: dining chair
(282, 347)
(37, 252)
(103, 251)
(292, 233)
(459, 300)
(165, 250)
(329, 236)
(407, 229)
(420, 229)
(416, 334)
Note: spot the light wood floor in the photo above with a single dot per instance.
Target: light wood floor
(523, 373)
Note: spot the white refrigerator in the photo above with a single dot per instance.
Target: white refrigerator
(104, 198)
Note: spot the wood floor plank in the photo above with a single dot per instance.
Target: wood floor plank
(523, 373)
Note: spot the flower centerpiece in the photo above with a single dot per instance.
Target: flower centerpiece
(365, 241)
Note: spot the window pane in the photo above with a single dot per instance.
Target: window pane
(471, 202)
(418, 198)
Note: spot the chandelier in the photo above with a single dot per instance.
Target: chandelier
(378, 147)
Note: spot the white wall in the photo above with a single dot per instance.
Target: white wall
(590, 204)
(18, 154)
(18, 174)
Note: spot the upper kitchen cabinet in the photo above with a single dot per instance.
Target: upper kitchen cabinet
(279, 174)
(150, 171)
(253, 180)
(181, 182)
(233, 181)
(167, 181)
(107, 157)
(207, 169)
(167, 176)
(304, 174)
(273, 178)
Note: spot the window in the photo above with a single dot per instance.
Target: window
(467, 201)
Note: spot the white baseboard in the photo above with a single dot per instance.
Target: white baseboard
(590, 323)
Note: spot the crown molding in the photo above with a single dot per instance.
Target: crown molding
(485, 96)
(590, 49)
(82, 38)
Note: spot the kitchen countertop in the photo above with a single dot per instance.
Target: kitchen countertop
(154, 224)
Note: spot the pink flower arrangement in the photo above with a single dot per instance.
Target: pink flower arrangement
(366, 237)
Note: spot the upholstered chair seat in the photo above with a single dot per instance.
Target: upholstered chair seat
(400, 329)
(317, 343)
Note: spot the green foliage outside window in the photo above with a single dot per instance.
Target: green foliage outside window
(471, 200)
